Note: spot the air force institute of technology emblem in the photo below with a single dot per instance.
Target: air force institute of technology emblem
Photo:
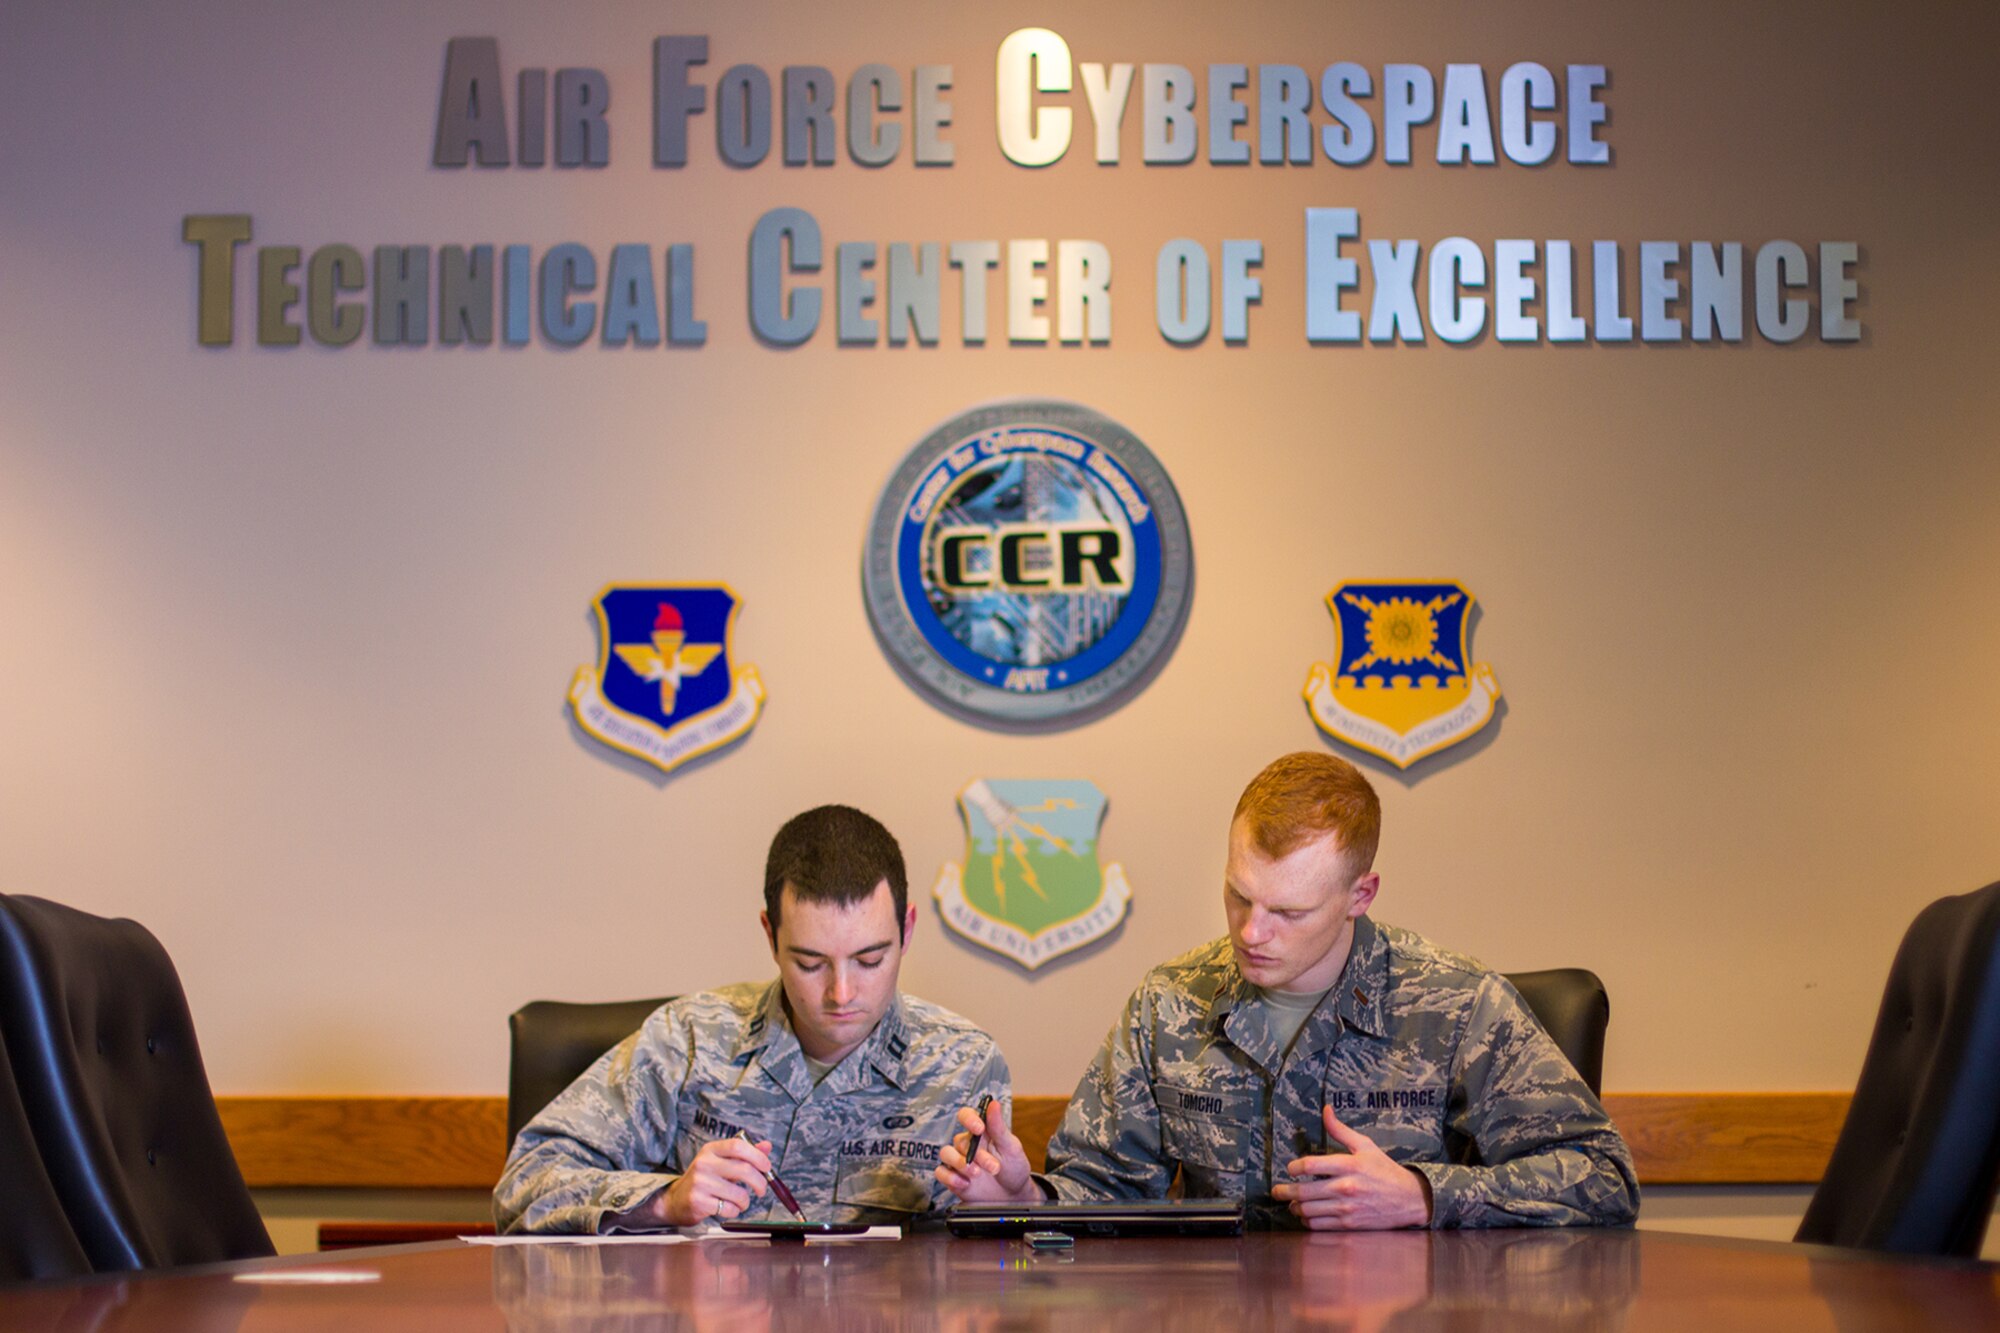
(1028, 564)
(1402, 684)
(662, 689)
(1031, 888)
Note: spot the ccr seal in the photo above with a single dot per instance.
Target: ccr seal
(1029, 564)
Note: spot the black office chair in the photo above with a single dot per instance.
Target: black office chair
(110, 1077)
(1571, 1004)
(36, 1240)
(551, 1042)
(1918, 1158)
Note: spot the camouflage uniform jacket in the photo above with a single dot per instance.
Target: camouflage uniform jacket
(1424, 1051)
(860, 1146)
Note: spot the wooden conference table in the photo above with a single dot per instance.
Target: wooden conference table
(1582, 1279)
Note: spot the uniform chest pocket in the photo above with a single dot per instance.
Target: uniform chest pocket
(701, 1125)
(687, 1143)
(1404, 1121)
(885, 1182)
(1207, 1127)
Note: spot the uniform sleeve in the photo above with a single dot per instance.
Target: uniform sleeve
(991, 1078)
(1540, 1149)
(595, 1149)
(988, 1077)
(1109, 1143)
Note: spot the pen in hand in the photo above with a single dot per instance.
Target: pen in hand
(972, 1144)
(777, 1185)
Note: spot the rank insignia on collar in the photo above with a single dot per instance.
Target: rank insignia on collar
(1032, 888)
(1402, 684)
(663, 689)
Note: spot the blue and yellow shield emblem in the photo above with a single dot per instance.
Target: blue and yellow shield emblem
(1402, 684)
(662, 689)
(1031, 887)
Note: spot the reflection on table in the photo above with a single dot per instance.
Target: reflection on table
(1581, 1279)
(1548, 1279)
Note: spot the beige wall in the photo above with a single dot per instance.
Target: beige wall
(288, 632)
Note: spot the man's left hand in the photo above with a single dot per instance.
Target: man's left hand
(1358, 1190)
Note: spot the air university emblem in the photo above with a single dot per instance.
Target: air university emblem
(663, 690)
(1031, 887)
(1402, 684)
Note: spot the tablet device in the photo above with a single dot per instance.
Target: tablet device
(1136, 1217)
(793, 1229)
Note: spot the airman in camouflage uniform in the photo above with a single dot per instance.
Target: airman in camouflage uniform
(860, 1146)
(829, 1076)
(1423, 1051)
(1326, 1070)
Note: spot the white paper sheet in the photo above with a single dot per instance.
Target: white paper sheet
(685, 1236)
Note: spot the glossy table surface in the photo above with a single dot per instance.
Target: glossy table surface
(1583, 1279)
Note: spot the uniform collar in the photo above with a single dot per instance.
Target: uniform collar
(771, 1040)
(1233, 994)
(1364, 983)
(1237, 1014)
(887, 1046)
(1358, 1000)
(769, 1028)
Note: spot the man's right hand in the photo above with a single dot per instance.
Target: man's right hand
(998, 1172)
(719, 1182)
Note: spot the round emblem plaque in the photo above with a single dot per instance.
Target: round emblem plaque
(1029, 564)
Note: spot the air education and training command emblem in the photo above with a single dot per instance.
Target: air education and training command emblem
(1028, 564)
(1402, 684)
(662, 689)
(1031, 888)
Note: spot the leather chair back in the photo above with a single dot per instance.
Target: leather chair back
(110, 1077)
(1573, 1007)
(1918, 1158)
(551, 1042)
(35, 1236)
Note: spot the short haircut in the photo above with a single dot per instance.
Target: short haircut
(834, 854)
(1305, 796)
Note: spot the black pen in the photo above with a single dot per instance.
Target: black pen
(972, 1146)
(777, 1185)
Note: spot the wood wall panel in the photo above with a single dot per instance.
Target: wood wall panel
(368, 1142)
(1729, 1138)
(1677, 1138)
